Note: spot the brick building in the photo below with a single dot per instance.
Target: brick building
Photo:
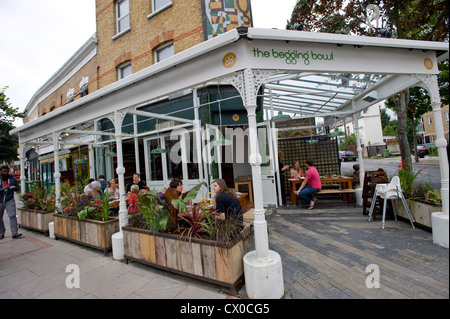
(130, 36)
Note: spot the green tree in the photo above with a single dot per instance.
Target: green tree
(8, 143)
(417, 20)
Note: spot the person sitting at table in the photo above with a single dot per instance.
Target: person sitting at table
(310, 186)
(136, 181)
(113, 189)
(88, 187)
(133, 199)
(95, 191)
(173, 192)
(227, 203)
(296, 171)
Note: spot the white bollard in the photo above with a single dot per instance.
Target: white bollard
(359, 199)
(51, 230)
(117, 246)
(263, 277)
(439, 222)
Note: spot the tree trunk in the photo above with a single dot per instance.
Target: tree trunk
(416, 154)
(402, 112)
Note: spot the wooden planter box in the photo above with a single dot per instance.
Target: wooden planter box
(88, 232)
(37, 220)
(199, 259)
(420, 210)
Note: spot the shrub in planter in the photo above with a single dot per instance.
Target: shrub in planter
(201, 247)
(85, 221)
(38, 206)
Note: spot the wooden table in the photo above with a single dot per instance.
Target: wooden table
(238, 183)
(242, 199)
(345, 183)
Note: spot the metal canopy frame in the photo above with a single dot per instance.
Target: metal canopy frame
(309, 74)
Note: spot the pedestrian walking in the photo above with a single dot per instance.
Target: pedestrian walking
(7, 202)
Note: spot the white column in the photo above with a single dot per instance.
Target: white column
(57, 174)
(91, 161)
(198, 134)
(262, 267)
(117, 238)
(136, 145)
(358, 193)
(22, 159)
(439, 220)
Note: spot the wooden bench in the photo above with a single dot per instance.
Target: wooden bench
(340, 192)
(326, 191)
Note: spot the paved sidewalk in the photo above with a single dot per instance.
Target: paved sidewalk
(34, 266)
(324, 252)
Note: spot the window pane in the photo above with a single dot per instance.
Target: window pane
(123, 8)
(164, 53)
(160, 3)
(124, 71)
(192, 157)
(174, 165)
(155, 162)
(124, 24)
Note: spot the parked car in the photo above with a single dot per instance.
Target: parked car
(425, 149)
(347, 156)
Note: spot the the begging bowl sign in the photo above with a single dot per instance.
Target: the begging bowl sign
(292, 57)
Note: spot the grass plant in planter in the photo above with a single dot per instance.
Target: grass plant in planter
(201, 247)
(85, 221)
(38, 206)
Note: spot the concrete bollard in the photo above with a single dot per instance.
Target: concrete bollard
(117, 246)
(51, 230)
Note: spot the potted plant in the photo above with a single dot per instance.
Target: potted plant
(38, 206)
(85, 221)
(422, 200)
(201, 247)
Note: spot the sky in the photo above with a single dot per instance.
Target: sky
(38, 37)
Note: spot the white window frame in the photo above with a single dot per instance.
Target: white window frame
(164, 47)
(121, 68)
(430, 120)
(160, 9)
(119, 19)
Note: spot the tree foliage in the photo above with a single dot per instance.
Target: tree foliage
(410, 19)
(8, 143)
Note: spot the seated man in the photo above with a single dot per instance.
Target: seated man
(136, 181)
(310, 185)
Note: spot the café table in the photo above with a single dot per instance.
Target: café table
(344, 181)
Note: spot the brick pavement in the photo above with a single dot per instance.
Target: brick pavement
(325, 253)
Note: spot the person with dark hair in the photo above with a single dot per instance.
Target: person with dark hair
(227, 204)
(310, 186)
(136, 181)
(174, 191)
(7, 202)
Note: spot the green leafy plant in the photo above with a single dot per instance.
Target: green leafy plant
(156, 216)
(180, 203)
(407, 177)
(39, 198)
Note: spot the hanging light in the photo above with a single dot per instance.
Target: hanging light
(336, 132)
(111, 153)
(222, 141)
(158, 149)
(281, 117)
(80, 160)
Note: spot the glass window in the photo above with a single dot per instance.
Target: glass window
(155, 162)
(158, 4)
(174, 164)
(164, 52)
(192, 163)
(123, 15)
(124, 70)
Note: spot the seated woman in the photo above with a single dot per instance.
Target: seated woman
(173, 192)
(95, 191)
(113, 189)
(227, 204)
(296, 171)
